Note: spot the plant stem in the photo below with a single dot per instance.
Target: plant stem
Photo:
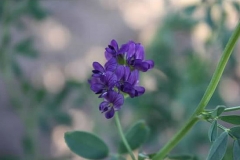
(122, 136)
(232, 109)
(162, 153)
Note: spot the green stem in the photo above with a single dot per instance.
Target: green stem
(122, 136)
(232, 109)
(220, 126)
(205, 99)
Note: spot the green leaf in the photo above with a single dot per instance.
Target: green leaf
(213, 131)
(86, 145)
(236, 150)
(218, 111)
(235, 132)
(233, 119)
(218, 148)
(135, 136)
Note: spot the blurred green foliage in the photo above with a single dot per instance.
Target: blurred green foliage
(186, 77)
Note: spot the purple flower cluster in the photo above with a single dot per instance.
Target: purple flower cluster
(119, 76)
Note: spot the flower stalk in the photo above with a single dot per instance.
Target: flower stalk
(163, 152)
(123, 137)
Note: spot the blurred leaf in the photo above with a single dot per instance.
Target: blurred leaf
(26, 86)
(142, 156)
(28, 144)
(213, 131)
(36, 10)
(58, 99)
(63, 118)
(236, 5)
(190, 9)
(182, 157)
(219, 147)
(233, 119)
(40, 95)
(218, 111)
(209, 19)
(25, 48)
(16, 68)
(9, 157)
(117, 157)
(235, 132)
(151, 155)
(86, 145)
(135, 136)
(236, 149)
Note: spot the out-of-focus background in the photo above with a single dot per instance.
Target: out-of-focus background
(47, 49)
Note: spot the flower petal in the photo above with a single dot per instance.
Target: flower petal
(133, 77)
(109, 114)
(139, 90)
(140, 65)
(110, 79)
(118, 101)
(124, 48)
(111, 65)
(150, 63)
(97, 87)
(131, 49)
(98, 66)
(120, 72)
(103, 106)
(114, 44)
(108, 55)
(139, 52)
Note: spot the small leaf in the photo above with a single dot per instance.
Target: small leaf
(218, 148)
(236, 150)
(235, 132)
(135, 136)
(86, 145)
(213, 131)
(233, 119)
(218, 111)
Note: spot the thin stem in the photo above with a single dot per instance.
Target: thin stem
(205, 99)
(232, 109)
(220, 126)
(122, 136)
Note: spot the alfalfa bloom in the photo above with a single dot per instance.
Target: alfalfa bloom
(119, 76)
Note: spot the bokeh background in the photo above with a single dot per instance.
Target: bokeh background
(47, 49)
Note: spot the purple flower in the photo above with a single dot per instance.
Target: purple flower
(102, 84)
(119, 75)
(98, 70)
(135, 57)
(112, 102)
(112, 51)
(128, 82)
